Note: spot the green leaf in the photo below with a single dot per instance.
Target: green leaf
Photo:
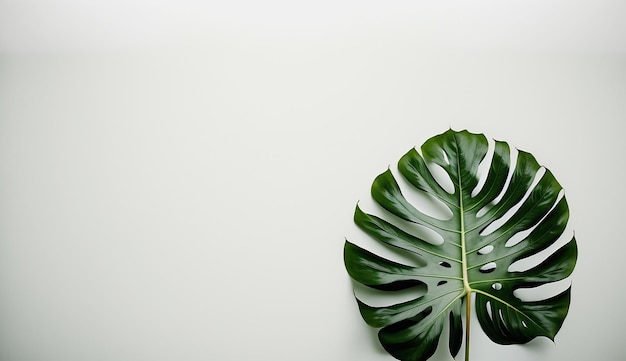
(518, 212)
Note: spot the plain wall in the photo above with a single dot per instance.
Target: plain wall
(177, 179)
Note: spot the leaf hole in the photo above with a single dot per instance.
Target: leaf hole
(534, 260)
(501, 316)
(423, 201)
(513, 163)
(524, 324)
(445, 264)
(542, 292)
(481, 212)
(486, 250)
(420, 231)
(488, 268)
(493, 226)
(483, 168)
(488, 307)
(517, 238)
(497, 286)
(445, 157)
(429, 235)
(409, 322)
(441, 176)
(424, 233)
(395, 254)
(381, 298)
(520, 236)
(441, 283)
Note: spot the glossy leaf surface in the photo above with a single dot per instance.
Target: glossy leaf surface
(516, 212)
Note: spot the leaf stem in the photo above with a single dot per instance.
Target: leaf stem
(468, 310)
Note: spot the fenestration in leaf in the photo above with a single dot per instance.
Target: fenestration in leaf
(476, 253)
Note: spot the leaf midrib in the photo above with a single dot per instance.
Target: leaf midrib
(466, 286)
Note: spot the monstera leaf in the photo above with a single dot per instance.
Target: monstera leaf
(516, 210)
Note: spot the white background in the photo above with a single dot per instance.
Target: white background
(177, 178)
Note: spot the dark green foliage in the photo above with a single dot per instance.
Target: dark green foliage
(472, 258)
